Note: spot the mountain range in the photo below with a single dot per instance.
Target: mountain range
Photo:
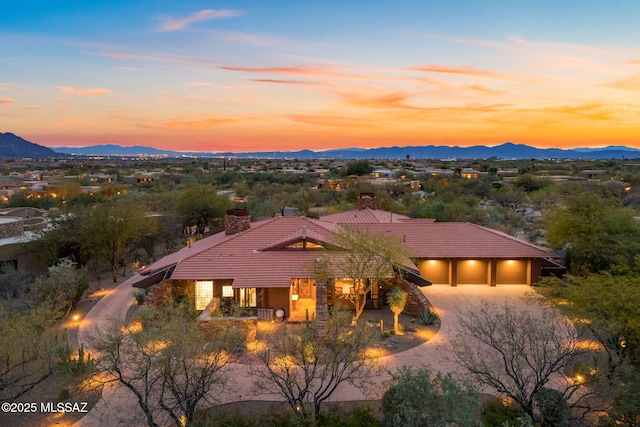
(505, 151)
(12, 146)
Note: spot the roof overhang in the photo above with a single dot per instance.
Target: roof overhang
(155, 277)
(413, 277)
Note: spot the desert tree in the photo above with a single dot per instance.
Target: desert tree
(26, 349)
(596, 231)
(62, 287)
(115, 230)
(365, 259)
(201, 206)
(397, 300)
(605, 307)
(166, 361)
(519, 354)
(306, 369)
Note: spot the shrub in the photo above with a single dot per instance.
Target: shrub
(496, 412)
(415, 397)
(554, 408)
(140, 296)
(429, 315)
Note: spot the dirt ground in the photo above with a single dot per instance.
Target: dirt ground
(64, 388)
(60, 387)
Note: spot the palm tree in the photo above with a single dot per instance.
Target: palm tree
(397, 300)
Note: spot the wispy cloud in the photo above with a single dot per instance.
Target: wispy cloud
(73, 122)
(483, 89)
(629, 83)
(157, 58)
(306, 70)
(203, 15)
(290, 82)
(332, 120)
(6, 100)
(84, 92)
(471, 72)
(260, 40)
(202, 84)
(384, 99)
(205, 122)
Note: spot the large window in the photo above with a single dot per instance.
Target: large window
(227, 291)
(247, 297)
(204, 293)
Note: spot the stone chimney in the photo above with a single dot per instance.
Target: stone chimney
(236, 220)
(367, 200)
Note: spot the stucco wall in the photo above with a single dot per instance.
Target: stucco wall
(278, 298)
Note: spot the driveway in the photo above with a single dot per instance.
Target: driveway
(452, 302)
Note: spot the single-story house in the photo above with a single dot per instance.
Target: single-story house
(271, 264)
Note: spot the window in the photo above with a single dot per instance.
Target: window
(248, 297)
(227, 291)
(204, 293)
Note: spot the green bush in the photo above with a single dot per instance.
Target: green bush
(497, 413)
(429, 315)
(554, 408)
(140, 296)
(416, 398)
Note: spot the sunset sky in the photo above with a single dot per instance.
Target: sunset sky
(288, 75)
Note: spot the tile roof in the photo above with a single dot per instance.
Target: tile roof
(364, 216)
(243, 259)
(255, 257)
(435, 240)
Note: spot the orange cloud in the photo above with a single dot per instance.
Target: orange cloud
(73, 122)
(470, 71)
(332, 120)
(630, 83)
(635, 62)
(6, 100)
(304, 70)
(84, 92)
(289, 82)
(200, 123)
(393, 99)
(483, 89)
(203, 15)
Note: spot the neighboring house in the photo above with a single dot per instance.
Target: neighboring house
(468, 173)
(271, 264)
(17, 228)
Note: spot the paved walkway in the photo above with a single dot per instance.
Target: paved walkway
(450, 301)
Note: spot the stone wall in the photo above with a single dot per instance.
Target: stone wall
(11, 228)
(236, 220)
(417, 302)
(367, 200)
(160, 295)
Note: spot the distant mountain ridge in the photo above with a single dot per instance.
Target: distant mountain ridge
(507, 150)
(14, 147)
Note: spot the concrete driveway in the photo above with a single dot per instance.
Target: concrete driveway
(452, 302)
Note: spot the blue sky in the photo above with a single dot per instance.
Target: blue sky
(250, 75)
